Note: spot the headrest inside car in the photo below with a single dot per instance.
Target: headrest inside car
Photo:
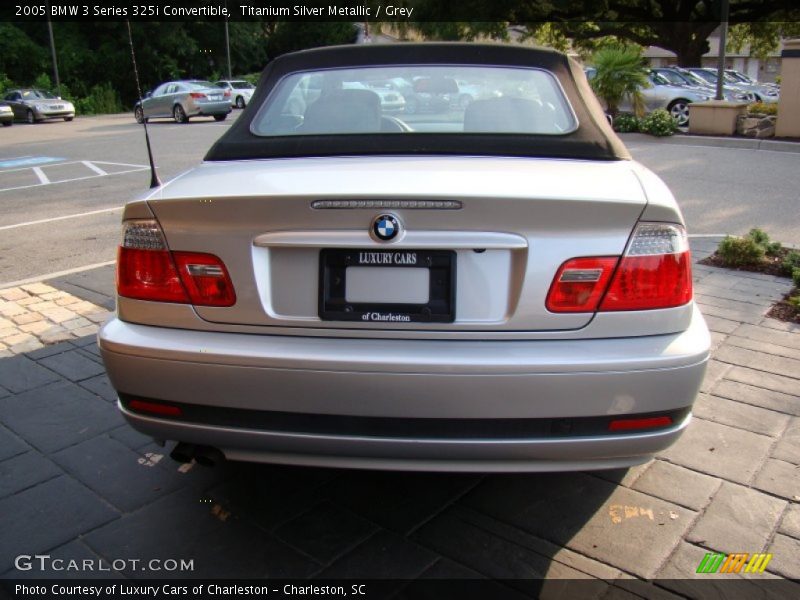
(502, 115)
(344, 111)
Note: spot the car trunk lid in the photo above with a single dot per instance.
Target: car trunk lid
(508, 224)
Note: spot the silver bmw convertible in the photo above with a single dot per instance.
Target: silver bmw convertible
(489, 287)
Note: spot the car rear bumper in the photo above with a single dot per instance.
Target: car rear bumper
(399, 381)
(210, 108)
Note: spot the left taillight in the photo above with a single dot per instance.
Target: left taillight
(147, 270)
(579, 284)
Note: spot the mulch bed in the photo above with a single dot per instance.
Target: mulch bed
(782, 310)
(771, 264)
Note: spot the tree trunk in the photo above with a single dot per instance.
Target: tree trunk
(688, 40)
(690, 57)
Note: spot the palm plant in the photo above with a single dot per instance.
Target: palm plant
(620, 74)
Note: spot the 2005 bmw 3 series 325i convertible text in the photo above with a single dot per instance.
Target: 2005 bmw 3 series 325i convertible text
(486, 282)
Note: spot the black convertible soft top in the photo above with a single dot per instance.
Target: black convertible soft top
(593, 139)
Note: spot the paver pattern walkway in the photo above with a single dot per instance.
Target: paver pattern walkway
(34, 315)
(77, 482)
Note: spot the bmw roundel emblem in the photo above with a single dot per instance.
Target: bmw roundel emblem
(386, 227)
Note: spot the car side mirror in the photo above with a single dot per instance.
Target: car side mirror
(148, 94)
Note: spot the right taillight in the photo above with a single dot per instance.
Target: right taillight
(655, 271)
(147, 270)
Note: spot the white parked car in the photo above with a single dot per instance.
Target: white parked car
(240, 90)
(490, 288)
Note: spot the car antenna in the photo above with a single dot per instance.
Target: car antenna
(154, 180)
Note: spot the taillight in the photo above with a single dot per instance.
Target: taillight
(197, 95)
(655, 272)
(580, 283)
(147, 270)
(205, 278)
(227, 93)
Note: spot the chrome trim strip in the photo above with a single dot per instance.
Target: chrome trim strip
(587, 275)
(388, 204)
(450, 240)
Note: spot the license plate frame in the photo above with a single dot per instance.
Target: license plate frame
(441, 305)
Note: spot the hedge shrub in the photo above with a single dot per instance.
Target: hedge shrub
(658, 123)
(626, 123)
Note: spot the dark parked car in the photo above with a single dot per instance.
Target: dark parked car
(432, 94)
(34, 106)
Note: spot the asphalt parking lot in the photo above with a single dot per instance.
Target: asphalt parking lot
(63, 185)
(78, 483)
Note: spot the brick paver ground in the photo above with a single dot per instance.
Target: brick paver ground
(77, 482)
(35, 315)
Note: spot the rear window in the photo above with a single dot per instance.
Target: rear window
(408, 99)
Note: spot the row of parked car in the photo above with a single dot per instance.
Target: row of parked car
(675, 88)
(182, 100)
(177, 99)
(670, 88)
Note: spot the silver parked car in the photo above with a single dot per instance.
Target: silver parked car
(768, 93)
(239, 91)
(490, 288)
(733, 91)
(181, 100)
(662, 92)
(693, 81)
(34, 106)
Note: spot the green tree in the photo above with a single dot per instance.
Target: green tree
(20, 56)
(681, 26)
(290, 36)
(763, 38)
(620, 75)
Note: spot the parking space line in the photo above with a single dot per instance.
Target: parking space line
(98, 172)
(5, 171)
(43, 179)
(62, 218)
(94, 167)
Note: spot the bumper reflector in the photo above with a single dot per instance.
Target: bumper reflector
(155, 408)
(648, 423)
